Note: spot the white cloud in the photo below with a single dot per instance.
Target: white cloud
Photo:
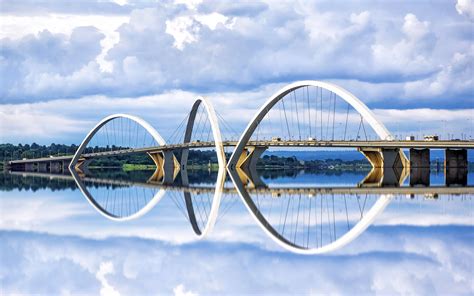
(465, 7)
(212, 20)
(424, 121)
(415, 29)
(214, 47)
(106, 268)
(412, 54)
(121, 2)
(181, 291)
(183, 29)
(422, 261)
(31, 213)
(17, 26)
(454, 79)
(190, 4)
(29, 123)
(70, 120)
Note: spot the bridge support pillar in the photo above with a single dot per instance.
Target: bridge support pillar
(384, 177)
(250, 157)
(385, 158)
(373, 179)
(455, 176)
(420, 158)
(15, 167)
(167, 166)
(42, 167)
(247, 166)
(419, 176)
(389, 166)
(55, 167)
(419, 167)
(250, 179)
(29, 167)
(65, 166)
(82, 165)
(394, 177)
(455, 158)
(455, 167)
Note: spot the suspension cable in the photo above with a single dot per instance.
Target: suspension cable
(297, 115)
(309, 112)
(347, 118)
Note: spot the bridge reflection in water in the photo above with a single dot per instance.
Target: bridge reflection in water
(308, 219)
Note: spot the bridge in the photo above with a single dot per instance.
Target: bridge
(305, 114)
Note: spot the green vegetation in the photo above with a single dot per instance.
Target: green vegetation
(275, 162)
(197, 160)
(11, 152)
(136, 167)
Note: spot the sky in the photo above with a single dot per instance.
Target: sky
(64, 66)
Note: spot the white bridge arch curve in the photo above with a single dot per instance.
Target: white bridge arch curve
(216, 133)
(156, 136)
(351, 99)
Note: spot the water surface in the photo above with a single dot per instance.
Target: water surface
(415, 243)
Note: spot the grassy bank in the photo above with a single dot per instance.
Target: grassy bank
(137, 167)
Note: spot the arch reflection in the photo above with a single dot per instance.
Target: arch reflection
(126, 202)
(309, 219)
(304, 223)
(203, 208)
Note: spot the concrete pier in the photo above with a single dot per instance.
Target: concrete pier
(455, 158)
(65, 166)
(419, 176)
(455, 176)
(385, 157)
(42, 167)
(55, 167)
(419, 158)
(249, 158)
(29, 167)
(167, 166)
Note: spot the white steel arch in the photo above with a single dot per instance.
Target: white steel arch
(216, 132)
(101, 123)
(156, 136)
(352, 100)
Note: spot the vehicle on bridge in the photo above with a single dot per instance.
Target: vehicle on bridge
(431, 138)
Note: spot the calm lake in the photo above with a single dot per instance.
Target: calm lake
(284, 232)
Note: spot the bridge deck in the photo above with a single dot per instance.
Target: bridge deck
(289, 144)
